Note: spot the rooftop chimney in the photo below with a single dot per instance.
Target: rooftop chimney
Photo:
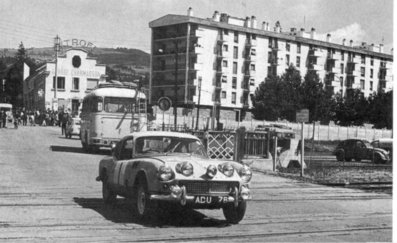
(381, 48)
(328, 37)
(267, 27)
(247, 22)
(216, 16)
(351, 43)
(313, 33)
(344, 41)
(254, 22)
(293, 31)
(190, 12)
(264, 25)
(277, 27)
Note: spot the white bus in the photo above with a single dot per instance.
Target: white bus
(110, 112)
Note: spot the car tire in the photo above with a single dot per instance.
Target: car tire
(234, 214)
(108, 195)
(340, 156)
(142, 207)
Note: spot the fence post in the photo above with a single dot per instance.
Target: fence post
(239, 144)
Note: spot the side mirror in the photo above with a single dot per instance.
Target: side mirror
(113, 147)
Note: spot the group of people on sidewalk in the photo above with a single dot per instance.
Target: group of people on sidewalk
(25, 117)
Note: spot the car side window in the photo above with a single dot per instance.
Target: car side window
(126, 149)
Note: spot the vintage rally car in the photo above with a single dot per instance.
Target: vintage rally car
(73, 127)
(358, 150)
(155, 168)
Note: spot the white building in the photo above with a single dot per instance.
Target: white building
(77, 74)
(223, 60)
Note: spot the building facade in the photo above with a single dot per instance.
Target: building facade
(76, 75)
(218, 62)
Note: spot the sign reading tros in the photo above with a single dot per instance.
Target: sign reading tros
(78, 43)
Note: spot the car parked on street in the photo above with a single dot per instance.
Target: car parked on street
(154, 168)
(358, 150)
(73, 127)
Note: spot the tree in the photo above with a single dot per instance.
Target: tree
(380, 111)
(352, 109)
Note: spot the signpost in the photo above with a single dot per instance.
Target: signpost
(302, 116)
(164, 104)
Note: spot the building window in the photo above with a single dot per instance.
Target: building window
(270, 42)
(342, 55)
(60, 83)
(252, 67)
(224, 63)
(226, 32)
(253, 36)
(362, 84)
(76, 84)
(371, 75)
(287, 59)
(341, 81)
(235, 36)
(298, 61)
(234, 82)
(371, 85)
(362, 59)
(233, 97)
(224, 79)
(287, 46)
(234, 67)
(342, 68)
(252, 82)
(225, 48)
(91, 83)
(235, 52)
(362, 70)
(372, 61)
(298, 48)
(223, 95)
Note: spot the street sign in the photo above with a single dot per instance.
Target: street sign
(302, 115)
(164, 103)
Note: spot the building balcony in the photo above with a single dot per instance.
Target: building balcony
(334, 70)
(385, 66)
(355, 60)
(354, 73)
(249, 73)
(316, 53)
(218, 85)
(315, 67)
(333, 83)
(333, 56)
(223, 54)
(250, 58)
(250, 43)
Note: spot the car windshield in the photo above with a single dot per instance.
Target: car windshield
(169, 145)
(367, 144)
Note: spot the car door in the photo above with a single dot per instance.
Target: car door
(125, 155)
(360, 150)
(349, 149)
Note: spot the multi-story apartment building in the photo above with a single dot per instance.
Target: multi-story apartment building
(218, 62)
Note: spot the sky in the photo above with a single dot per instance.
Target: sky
(125, 23)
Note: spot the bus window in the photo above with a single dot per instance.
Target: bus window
(118, 105)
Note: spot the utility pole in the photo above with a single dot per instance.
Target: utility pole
(57, 47)
(176, 84)
(198, 103)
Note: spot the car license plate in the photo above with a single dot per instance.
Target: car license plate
(211, 199)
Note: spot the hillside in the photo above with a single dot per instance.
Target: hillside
(108, 56)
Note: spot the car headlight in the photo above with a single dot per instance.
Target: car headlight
(184, 168)
(211, 171)
(245, 173)
(227, 169)
(165, 173)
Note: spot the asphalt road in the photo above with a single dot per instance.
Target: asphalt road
(48, 192)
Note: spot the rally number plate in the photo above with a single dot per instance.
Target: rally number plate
(211, 199)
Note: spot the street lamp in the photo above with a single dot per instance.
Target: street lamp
(4, 84)
(57, 47)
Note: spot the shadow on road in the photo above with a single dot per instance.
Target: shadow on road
(121, 212)
(57, 148)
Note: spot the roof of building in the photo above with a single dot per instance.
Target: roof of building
(172, 19)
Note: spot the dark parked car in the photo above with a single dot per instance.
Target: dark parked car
(360, 150)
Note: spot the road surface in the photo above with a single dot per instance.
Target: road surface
(48, 192)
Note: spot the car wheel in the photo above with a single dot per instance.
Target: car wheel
(109, 197)
(141, 202)
(340, 156)
(234, 214)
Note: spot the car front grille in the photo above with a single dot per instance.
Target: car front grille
(207, 187)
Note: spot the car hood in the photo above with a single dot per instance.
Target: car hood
(200, 166)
